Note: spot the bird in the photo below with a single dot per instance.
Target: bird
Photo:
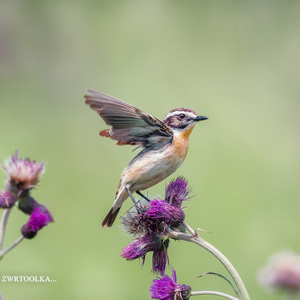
(164, 144)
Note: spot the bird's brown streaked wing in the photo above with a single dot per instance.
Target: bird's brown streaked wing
(129, 125)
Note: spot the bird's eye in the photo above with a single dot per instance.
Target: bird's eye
(181, 116)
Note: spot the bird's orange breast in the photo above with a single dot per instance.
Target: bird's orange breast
(181, 143)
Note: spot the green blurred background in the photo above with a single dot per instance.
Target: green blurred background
(236, 62)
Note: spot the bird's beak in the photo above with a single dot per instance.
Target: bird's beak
(200, 118)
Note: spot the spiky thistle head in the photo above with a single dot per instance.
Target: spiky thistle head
(23, 174)
(177, 191)
(166, 288)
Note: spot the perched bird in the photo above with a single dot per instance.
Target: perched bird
(165, 143)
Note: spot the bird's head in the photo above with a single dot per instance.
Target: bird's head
(181, 119)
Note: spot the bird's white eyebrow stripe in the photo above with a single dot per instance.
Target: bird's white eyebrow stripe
(174, 113)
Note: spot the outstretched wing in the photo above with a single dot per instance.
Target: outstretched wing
(129, 125)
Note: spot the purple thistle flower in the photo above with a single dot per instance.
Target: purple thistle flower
(161, 213)
(160, 257)
(139, 248)
(166, 288)
(177, 191)
(23, 174)
(151, 224)
(39, 218)
(7, 199)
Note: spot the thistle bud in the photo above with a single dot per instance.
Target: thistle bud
(7, 199)
(27, 204)
(39, 218)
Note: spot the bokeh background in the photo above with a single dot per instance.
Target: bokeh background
(236, 62)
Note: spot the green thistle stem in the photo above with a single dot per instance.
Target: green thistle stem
(3, 224)
(195, 238)
(213, 293)
(12, 246)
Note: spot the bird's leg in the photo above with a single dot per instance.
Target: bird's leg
(143, 196)
(139, 210)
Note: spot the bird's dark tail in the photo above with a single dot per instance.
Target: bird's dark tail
(110, 217)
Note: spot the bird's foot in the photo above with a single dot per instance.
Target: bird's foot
(139, 209)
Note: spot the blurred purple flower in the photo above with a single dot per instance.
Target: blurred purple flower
(23, 174)
(44, 210)
(7, 199)
(282, 271)
(177, 192)
(166, 288)
(39, 218)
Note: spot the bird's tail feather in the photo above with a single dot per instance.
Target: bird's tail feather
(121, 196)
(110, 217)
